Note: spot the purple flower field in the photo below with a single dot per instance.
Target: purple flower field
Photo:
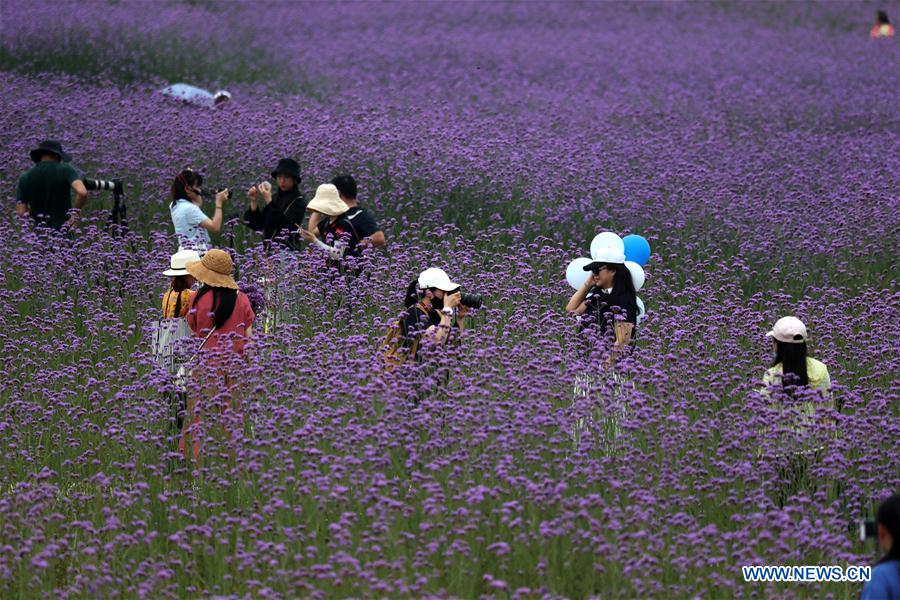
(755, 145)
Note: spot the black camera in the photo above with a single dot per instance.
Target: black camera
(867, 530)
(471, 300)
(210, 195)
(113, 185)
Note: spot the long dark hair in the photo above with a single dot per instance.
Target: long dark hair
(883, 18)
(224, 300)
(184, 179)
(178, 285)
(792, 358)
(889, 515)
(413, 294)
(623, 287)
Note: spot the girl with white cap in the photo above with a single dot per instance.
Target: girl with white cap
(607, 299)
(791, 365)
(433, 309)
(433, 306)
(175, 302)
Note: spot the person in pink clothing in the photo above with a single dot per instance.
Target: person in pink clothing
(221, 315)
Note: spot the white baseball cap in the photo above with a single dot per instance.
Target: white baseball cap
(436, 278)
(610, 256)
(179, 261)
(789, 330)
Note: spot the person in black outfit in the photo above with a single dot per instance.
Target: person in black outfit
(284, 208)
(607, 299)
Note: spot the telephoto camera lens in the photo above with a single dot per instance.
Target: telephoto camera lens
(102, 184)
(471, 300)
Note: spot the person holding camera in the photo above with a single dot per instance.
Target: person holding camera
(607, 299)
(362, 219)
(334, 233)
(45, 190)
(434, 310)
(282, 212)
(885, 581)
(192, 226)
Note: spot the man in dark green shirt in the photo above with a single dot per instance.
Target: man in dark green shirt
(44, 191)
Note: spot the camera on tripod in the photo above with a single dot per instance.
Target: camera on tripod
(118, 214)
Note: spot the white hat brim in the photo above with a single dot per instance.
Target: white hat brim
(175, 272)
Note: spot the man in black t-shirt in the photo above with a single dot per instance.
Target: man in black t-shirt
(362, 220)
(45, 190)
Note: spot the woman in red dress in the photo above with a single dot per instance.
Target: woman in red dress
(221, 315)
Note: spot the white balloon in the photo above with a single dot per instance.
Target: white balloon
(607, 239)
(641, 310)
(575, 273)
(637, 274)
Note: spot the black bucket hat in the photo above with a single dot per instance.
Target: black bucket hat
(289, 167)
(51, 146)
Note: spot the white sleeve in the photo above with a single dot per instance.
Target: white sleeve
(196, 215)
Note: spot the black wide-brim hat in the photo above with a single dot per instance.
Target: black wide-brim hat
(289, 167)
(51, 146)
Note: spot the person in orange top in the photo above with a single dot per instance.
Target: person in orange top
(176, 300)
(882, 27)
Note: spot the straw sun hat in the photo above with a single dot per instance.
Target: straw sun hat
(214, 269)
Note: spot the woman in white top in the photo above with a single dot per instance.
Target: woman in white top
(192, 226)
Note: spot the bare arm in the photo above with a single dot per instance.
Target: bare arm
(376, 240)
(80, 193)
(441, 331)
(576, 302)
(21, 209)
(80, 201)
(214, 225)
(314, 218)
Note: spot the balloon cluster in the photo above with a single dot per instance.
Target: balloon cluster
(637, 254)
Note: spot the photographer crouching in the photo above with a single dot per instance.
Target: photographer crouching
(436, 312)
(885, 581)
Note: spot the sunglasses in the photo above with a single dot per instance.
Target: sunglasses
(596, 270)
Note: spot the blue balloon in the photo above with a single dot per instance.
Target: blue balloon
(637, 249)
